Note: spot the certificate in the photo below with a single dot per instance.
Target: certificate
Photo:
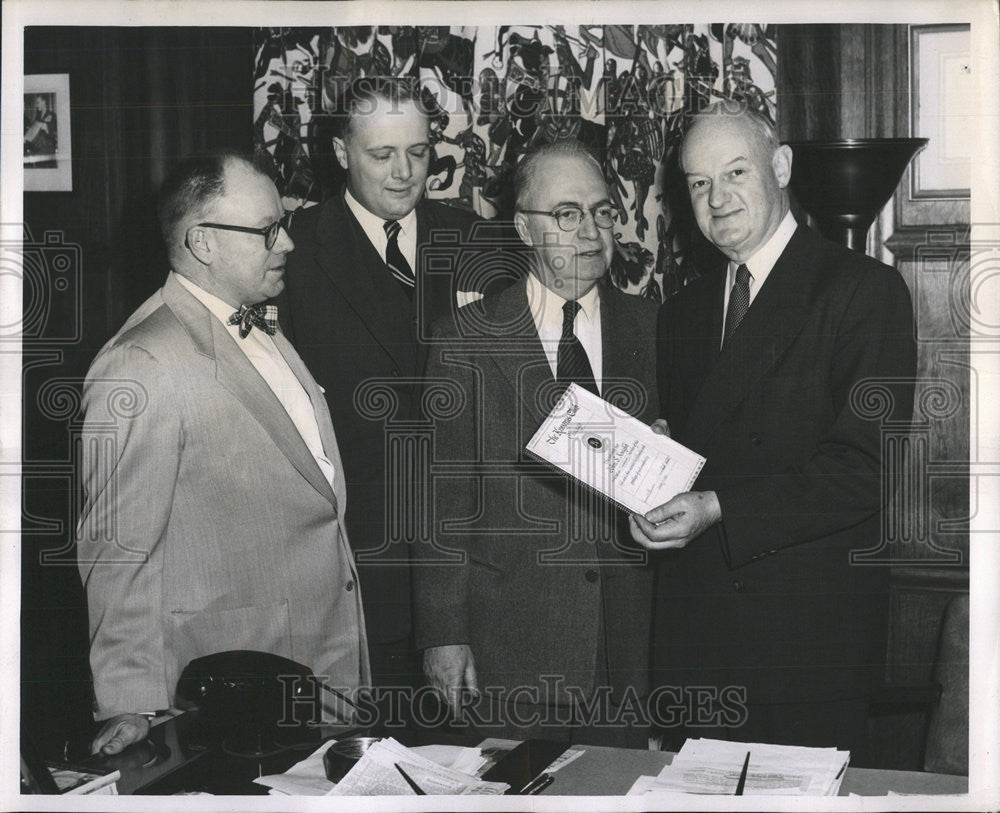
(613, 453)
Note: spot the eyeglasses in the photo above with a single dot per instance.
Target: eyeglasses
(269, 233)
(569, 218)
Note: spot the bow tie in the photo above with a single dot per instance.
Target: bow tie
(263, 317)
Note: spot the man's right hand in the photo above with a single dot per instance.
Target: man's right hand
(452, 671)
(119, 733)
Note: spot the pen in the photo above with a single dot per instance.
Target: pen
(538, 784)
(743, 776)
(416, 788)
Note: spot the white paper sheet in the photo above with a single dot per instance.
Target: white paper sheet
(615, 454)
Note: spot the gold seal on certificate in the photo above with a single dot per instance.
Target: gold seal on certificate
(613, 453)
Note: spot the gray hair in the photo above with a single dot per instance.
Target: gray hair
(525, 171)
(761, 126)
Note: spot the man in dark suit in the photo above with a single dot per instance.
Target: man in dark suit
(531, 593)
(358, 298)
(759, 364)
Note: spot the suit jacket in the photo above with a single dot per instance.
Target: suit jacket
(352, 322)
(769, 598)
(208, 525)
(537, 575)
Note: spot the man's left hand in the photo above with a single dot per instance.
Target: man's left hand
(676, 522)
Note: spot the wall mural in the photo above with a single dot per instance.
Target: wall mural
(501, 90)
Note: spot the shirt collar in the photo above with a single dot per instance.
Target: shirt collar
(764, 259)
(547, 307)
(375, 225)
(221, 309)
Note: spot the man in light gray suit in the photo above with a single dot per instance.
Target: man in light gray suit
(215, 497)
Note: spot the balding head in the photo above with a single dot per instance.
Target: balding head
(564, 177)
(737, 174)
(526, 173)
(190, 190)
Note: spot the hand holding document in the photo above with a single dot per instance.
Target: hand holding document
(714, 767)
(377, 774)
(615, 454)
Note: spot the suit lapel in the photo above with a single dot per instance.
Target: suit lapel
(235, 373)
(320, 410)
(435, 294)
(519, 355)
(620, 355)
(351, 262)
(774, 320)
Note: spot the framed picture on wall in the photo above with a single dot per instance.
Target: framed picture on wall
(944, 109)
(48, 153)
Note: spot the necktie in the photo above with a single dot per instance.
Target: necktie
(572, 363)
(394, 257)
(739, 302)
(260, 316)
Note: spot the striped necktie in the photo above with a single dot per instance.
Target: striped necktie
(394, 257)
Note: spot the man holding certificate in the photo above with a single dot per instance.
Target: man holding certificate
(761, 362)
(530, 598)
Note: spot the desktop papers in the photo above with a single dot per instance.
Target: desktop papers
(612, 452)
(376, 775)
(714, 766)
(308, 777)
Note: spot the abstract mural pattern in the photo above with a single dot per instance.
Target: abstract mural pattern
(500, 90)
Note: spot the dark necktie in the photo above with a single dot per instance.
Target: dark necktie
(572, 363)
(394, 257)
(260, 316)
(739, 302)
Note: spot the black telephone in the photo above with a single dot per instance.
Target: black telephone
(244, 695)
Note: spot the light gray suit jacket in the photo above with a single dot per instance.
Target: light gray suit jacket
(207, 524)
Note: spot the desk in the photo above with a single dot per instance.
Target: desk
(598, 772)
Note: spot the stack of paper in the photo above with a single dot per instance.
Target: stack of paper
(73, 780)
(377, 774)
(714, 766)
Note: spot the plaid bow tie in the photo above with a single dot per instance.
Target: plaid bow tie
(263, 317)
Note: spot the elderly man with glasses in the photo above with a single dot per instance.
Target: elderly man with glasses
(215, 496)
(532, 603)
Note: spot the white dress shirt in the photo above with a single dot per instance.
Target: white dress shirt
(264, 355)
(547, 311)
(374, 227)
(760, 264)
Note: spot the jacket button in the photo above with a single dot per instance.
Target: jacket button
(591, 576)
(755, 439)
(738, 586)
(349, 586)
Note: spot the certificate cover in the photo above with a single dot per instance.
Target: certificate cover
(613, 453)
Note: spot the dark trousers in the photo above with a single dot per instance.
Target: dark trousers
(523, 721)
